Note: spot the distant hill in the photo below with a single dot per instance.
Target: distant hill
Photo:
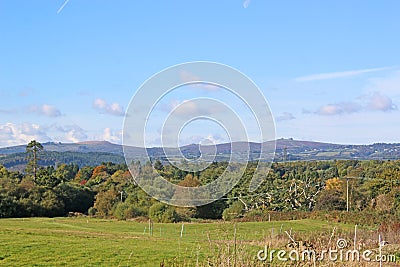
(290, 149)
(307, 150)
(83, 154)
(84, 147)
(95, 152)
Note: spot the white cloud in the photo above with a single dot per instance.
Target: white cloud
(46, 110)
(72, 133)
(100, 103)
(111, 109)
(285, 116)
(381, 102)
(16, 134)
(210, 139)
(330, 109)
(334, 109)
(332, 75)
(109, 135)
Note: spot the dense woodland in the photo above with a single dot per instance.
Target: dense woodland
(294, 189)
(17, 161)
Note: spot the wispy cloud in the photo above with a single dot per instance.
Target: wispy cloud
(373, 102)
(114, 109)
(8, 111)
(389, 84)
(62, 6)
(187, 77)
(285, 116)
(333, 75)
(246, 3)
(190, 108)
(26, 92)
(45, 110)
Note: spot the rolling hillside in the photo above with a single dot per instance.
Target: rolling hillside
(95, 152)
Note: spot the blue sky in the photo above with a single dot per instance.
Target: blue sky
(330, 70)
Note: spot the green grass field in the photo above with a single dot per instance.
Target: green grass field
(97, 242)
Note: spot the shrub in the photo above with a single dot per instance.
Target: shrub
(330, 200)
(234, 211)
(185, 214)
(51, 205)
(105, 202)
(7, 206)
(125, 211)
(255, 216)
(162, 213)
(75, 198)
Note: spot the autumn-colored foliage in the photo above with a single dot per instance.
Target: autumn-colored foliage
(334, 184)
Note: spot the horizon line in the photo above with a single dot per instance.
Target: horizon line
(254, 142)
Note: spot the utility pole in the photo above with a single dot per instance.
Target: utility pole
(347, 193)
(347, 189)
(285, 156)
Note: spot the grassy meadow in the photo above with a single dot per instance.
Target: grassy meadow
(85, 241)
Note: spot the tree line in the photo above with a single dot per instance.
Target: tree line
(109, 190)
